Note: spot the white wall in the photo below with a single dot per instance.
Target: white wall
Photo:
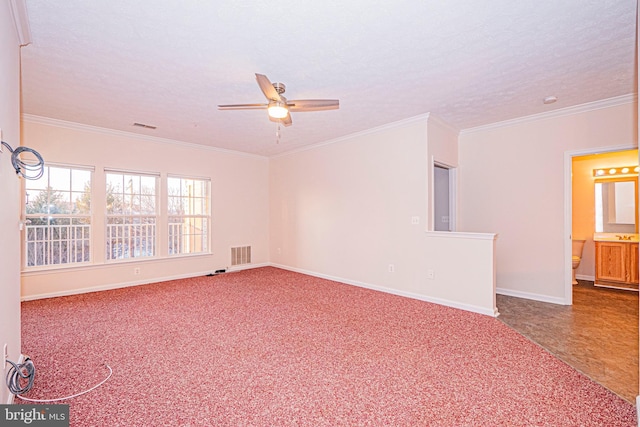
(511, 181)
(9, 187)
(239, 193)
(343, 210)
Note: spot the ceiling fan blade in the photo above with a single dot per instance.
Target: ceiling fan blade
(313, 104)
(243, 107)
(267, 87)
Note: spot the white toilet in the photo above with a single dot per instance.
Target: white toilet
(576, 255)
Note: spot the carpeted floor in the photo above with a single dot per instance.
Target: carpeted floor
(269, 347)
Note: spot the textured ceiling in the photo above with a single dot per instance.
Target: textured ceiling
(168, 63)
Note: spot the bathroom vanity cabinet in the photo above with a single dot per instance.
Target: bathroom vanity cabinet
(634, 263)
(617, 264)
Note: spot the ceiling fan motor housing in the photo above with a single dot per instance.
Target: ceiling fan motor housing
(279, 87)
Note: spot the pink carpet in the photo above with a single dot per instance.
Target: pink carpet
(268, 347)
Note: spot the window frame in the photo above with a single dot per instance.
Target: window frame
(128, 225)
(71, 236)
(205, 218)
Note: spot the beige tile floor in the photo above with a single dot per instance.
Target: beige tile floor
(597, 335)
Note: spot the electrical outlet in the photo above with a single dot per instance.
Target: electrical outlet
(430, 275)
(415, 220)
(136, 271)
(392, 268)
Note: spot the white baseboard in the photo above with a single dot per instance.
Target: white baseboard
(134, 283)
(585, 277)
(248, 267)
(110, 286)
(435, 300)
(531, 296)
(439, 301)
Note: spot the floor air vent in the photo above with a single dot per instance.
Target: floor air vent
(241, 255)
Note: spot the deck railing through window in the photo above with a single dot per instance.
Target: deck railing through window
(188, 235)
(131, 237)
(57, 241)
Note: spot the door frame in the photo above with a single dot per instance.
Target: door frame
(453, 194)
(568, 209)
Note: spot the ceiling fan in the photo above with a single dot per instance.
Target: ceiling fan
(279, 107)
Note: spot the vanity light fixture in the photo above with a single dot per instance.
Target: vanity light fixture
(624, 170)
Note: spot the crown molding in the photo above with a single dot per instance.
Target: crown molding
(576, 109)
(30, 118)
(443, 124)
(21, 20)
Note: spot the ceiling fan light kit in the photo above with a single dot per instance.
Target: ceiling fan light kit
(277, 110)
(278, 107)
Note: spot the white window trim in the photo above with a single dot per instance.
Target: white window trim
(208, 217)
(24, 226)
(156, 215)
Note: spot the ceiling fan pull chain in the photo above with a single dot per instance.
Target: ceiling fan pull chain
(278, 134)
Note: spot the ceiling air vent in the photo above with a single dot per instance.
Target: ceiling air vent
(241, 255)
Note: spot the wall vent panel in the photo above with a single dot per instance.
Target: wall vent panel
(241, 255)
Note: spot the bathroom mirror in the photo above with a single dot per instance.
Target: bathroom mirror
(616, 202)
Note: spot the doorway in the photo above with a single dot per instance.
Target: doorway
(583, 221)
(443, 197)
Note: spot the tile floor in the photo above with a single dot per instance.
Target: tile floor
(597, 335)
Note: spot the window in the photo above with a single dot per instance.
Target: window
(131, 215)
(58, 217)
(189, 215)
